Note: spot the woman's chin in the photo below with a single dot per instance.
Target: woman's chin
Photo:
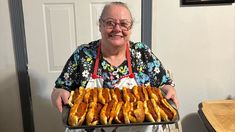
(117, 42)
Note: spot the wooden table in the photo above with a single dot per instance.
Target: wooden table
(218, 115)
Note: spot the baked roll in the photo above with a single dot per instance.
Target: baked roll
(76, 96)
(128, 95)
(104, 95)
(152, 111)
(117, 94)
(119, 118)
(91, 95)
(92, 117)
(77, 114)
(137, 90)
(137, 114)
(108, 112)
(166, 110)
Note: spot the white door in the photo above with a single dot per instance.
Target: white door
(54, 28)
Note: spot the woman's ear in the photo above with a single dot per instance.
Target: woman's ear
(99, 26)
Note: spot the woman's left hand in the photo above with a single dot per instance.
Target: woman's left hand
(171, 94)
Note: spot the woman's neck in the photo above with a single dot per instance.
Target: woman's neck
(114, 55)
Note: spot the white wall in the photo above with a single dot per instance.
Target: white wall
(198, 45)
(10, 111)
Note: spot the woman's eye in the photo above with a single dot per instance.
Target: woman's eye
(110, 23)
(124, 24)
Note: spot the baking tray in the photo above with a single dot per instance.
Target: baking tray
(66, 109)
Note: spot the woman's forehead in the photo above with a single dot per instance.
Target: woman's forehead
(117, 12)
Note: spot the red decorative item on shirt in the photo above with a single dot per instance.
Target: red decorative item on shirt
(94, 76)
(132, 75)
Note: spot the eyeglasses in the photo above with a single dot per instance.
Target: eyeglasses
(110, 23)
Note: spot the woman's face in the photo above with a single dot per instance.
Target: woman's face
(115, 26)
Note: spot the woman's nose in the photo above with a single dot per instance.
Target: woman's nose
(117, 27)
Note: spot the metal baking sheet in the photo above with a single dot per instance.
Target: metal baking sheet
(66, 110)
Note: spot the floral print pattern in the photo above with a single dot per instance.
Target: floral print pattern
(80, 66)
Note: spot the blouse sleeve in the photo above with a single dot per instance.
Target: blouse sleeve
(156, 72)
(69, 75)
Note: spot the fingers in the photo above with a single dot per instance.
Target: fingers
(53, 97)
(59, 97)
(175, 100)
(59, 104)
(171, 94)
(65, 97)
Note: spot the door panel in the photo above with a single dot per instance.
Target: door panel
(60, 33)
(54, 28)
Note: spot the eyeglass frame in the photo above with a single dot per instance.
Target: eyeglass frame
(115, 23)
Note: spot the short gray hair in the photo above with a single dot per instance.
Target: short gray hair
(115, 3)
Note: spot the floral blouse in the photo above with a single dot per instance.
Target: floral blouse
(79, 68)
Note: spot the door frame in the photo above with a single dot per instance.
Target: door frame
(21, 61)
(20, 52)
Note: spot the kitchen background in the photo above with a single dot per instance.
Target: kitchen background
(197, 43)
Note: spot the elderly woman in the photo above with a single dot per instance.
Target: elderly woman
(113, 61)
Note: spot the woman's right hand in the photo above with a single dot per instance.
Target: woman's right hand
(171, 94)
(59, 97)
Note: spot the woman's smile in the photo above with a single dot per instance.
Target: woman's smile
(116, 36)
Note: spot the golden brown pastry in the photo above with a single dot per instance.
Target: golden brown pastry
(104, 95)
(119, 118)
(94, 95)
(128, 95)
(108, 113)
(91, 95)
(152, 112)
(152, 94)
(92, 116)
(87, 95)
(77, 114)
(70, 101)
(76, 96)
(166, 110)
(137, 90)
(137, 114)
(145, 93)
(126, 109)
(116, 94)
(103, 106)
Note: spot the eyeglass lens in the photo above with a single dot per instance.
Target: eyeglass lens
(111, 23)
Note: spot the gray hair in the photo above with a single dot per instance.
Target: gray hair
(115, 3)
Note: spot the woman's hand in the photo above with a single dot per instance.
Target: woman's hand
(59, 97)
(171, 94)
